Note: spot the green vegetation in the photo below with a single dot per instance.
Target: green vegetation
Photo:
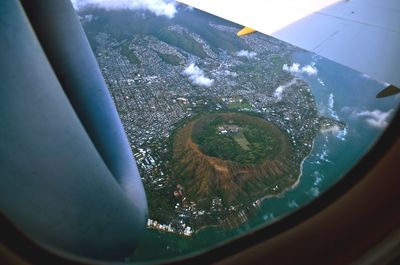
(183, 41)
(249, 68)
(234, 156)
(277, 61)
(239, 105)
(215, 38)
(170, 58)
(123, 24)
(129, 54)
(242, 141)
(234, 139)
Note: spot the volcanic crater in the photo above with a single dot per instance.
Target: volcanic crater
(236, 157)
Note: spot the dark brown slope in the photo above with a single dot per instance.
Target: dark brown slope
(205, 177)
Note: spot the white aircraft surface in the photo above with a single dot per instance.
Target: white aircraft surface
(360, 34)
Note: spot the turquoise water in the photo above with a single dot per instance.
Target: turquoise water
(350, 97)
(340, 93)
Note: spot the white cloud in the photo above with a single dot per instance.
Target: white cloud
(196, 76)
(310, 70)
(293, 204)
(202, 81)
(383, 83)
(333, 129)
(375, 118)
(279, 90)
(88, 17)
(347, 109)
(366, 76)
(295, 68)
(190, 8)
(158, 7)
(314, 191)
(247, 54)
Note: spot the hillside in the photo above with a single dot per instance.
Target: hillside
(206, 177)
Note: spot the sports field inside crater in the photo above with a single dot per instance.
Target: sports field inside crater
(233, 156)
(236, 137)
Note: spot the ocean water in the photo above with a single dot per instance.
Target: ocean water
(346, 95)
(340, 93)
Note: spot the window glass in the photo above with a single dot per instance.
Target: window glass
(229, 133)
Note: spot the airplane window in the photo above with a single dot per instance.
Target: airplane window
(229, 133)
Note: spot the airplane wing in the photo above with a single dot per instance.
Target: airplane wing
(360, 34)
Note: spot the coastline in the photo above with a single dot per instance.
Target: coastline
(296, 183)
(258, 201)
